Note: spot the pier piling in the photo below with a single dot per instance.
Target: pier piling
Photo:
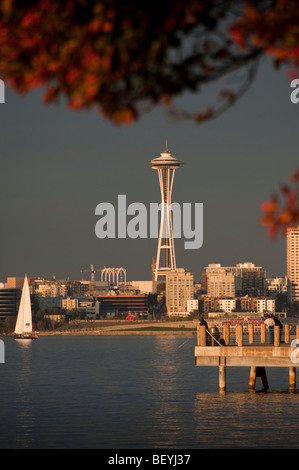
(226, 334)
(250, 333)
(276, 335)
(258, 372)
(287, 334)
(239, 335)
(252, 378)
(292, 378)
(222, 378)
(263, 333)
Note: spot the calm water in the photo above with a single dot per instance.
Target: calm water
(130, 392)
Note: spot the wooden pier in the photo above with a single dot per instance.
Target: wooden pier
(219, 351)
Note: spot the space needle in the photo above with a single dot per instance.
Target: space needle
(166, 165)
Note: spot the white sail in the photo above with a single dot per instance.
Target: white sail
(24, 320)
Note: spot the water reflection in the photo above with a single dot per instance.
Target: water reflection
(24, 343)
(244, 420)
(23, 403)
(135, 392)
(169, 384)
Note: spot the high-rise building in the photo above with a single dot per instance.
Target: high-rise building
(293, 263)
(253, 279)
(179, 289)
(221, 281)
(232, 281)
(9, 302)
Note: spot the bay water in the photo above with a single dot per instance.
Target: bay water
(136, 392)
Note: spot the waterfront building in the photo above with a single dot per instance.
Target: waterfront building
(227, 305)
(78, 288)
(14, 282)
(237, 304)
(277, 285)
(70, 303)
(48, 303)
(9, 302)
(231, 281)
(265, 305)
(192, 305)
(208, 304)
(253, 279)
(145, 287)
(179, 289)
(222, 281)
(50, 288)
(247, 304)
(90, 307)
(292, 240)
(114, 305)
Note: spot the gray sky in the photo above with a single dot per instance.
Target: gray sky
(57, 165)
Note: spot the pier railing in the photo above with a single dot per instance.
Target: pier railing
(250, 334)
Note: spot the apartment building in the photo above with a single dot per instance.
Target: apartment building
(232, 281)
(265, 305)
(222, 281)
(179, 289)
(292, 240)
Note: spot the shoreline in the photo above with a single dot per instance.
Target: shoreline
(138, 328)
(116, 333)
(123, 328)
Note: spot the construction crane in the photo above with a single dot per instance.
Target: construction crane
(92, 272)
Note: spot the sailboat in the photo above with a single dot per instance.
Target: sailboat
(23, 328)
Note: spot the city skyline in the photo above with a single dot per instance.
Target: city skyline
(57, 165)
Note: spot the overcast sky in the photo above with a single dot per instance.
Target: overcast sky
(57, 165)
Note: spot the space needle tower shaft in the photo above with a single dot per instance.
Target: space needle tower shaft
(166, 166)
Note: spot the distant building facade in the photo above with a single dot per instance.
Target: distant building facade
(227, 305)
(179, 289)
(221, 281)
(111, 305)
(232, 281)
(265, 305)
(192, 305)
(50, 288)
(9, 302)
(292, 240)
(15, 282)
(277, 285)
(237, 304)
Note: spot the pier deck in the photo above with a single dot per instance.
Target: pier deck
(256, 356)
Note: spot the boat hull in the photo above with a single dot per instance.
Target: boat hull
(32, 337)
